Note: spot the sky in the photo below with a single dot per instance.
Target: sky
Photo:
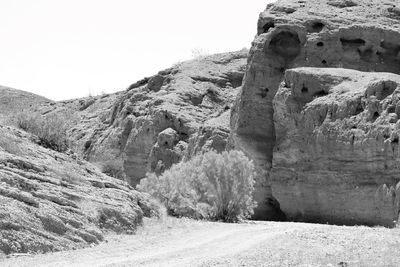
(64, 49)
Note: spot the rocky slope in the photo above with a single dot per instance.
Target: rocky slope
(159, 120)
(350, 34)
(13, 101)
(53, 201)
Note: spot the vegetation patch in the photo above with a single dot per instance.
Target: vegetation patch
(51, 129)
(211, 186)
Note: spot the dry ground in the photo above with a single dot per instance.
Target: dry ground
(183, 242)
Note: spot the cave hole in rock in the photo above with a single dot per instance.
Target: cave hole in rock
(320, 93)
(304, 90)
(183, 136)
(324, 62)
(87, 145)
(286, 44)
(352, 43)
(316, 26)
(395, 140)
(268, 26)
(320, 44)
(375, 116)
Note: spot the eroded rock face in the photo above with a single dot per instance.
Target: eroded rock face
(336, 157)
(360, 35)
(124, 132)
(51, 201)
(212, 135)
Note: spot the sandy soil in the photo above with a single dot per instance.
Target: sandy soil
(183, 242)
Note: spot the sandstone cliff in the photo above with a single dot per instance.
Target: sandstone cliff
(336, 155)
(54, 201)
(350, 34)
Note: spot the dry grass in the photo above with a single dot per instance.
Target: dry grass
(51, 129)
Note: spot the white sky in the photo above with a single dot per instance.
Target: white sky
(65, 49)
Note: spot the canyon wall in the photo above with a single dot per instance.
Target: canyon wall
(349, 34)
(158, 120)
(336, 156)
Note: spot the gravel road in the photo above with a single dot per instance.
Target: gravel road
(183, 242)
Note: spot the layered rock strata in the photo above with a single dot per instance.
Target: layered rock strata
(52, 201)
(360, 35)
(336, 156)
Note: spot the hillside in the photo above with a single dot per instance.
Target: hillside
(158, 120)
(52, 201)
(13, 101)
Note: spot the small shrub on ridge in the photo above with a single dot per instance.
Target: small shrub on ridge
(51, 130)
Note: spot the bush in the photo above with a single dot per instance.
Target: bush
(51, 130)
(210, 186)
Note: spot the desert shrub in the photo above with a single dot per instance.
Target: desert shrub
(199, 53)
(210, 186)
(51, 129)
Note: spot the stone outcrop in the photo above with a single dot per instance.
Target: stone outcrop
(53, 201)
(157, 120)
(336, 155)
(360, 35)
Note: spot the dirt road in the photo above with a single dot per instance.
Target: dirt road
(182, 242)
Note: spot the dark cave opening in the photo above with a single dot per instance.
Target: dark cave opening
(316, 26)
(268, 26)
(286, 44)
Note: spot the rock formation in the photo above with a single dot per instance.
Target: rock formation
(349, 34)
(325, 145)
(159, 120)
(336, 155)
(53, 201)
